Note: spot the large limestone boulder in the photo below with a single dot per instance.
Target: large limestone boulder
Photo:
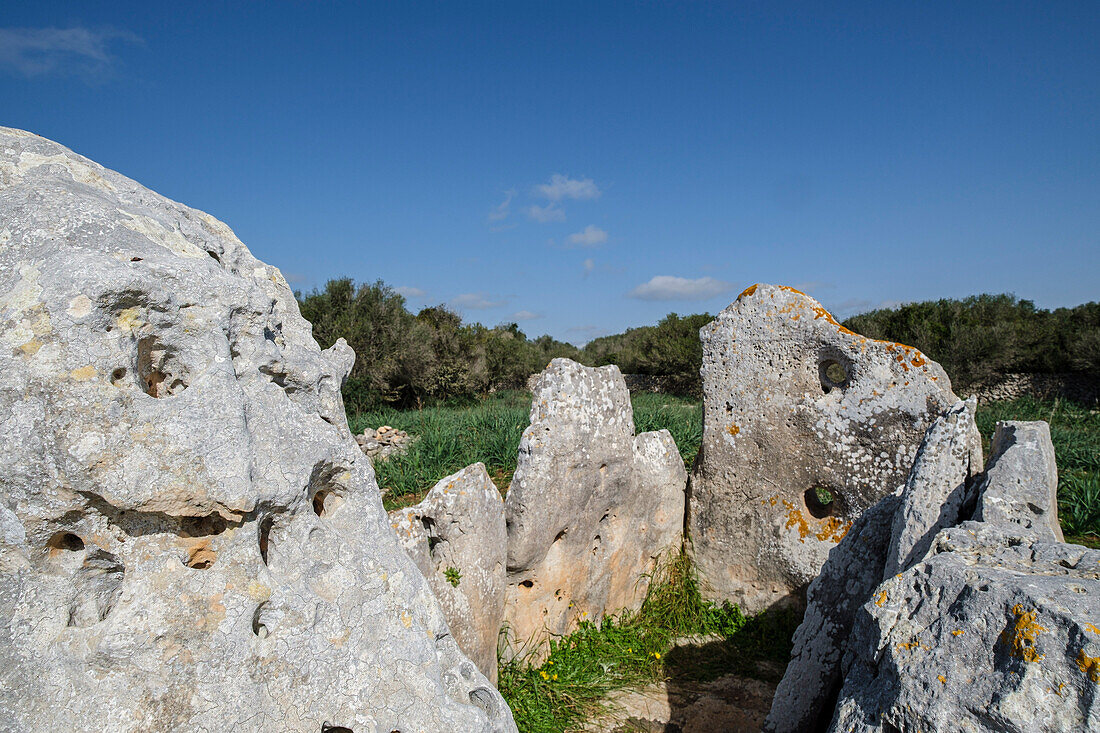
(591, 506)
(805, 425)
(456, 536)
(995, 630)
(190, 538)
(990, 628)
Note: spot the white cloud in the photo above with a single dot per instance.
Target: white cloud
(35, 52)
(589, 266)
(563, 187)
(668, 287)
(525, 316)
(590, 236)
(502, 210)
(410, 292)
(544, 214)
(476, 301)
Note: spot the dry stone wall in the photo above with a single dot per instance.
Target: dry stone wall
(805, 426)
(189, 537)
(591, 505)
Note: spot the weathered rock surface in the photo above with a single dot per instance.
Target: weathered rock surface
(189, 537)
(993, 631)
(992, 628)
(794, 402)
(937, 487)
(1021, 485)
(849, 576)
(591, 506)
(457, 538)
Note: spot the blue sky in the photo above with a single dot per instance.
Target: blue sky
(585, 167)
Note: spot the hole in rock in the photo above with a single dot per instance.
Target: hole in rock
(258, 627)
(200, 556)
(483, 698)
(560, 535)
(264, 538)
(65, 542)
(833, 375)
(328, 727)
(820, 502)
(319, 500)
(156, 367)
(215, 256)
(527, 584)
(118, 375)
(135, 259)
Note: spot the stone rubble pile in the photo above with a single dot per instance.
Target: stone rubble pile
(189, 537)
(384, 442)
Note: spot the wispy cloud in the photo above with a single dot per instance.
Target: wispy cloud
(476, 301)
(590, 236)
(544, 214)
(563, 187)
(502, 210)
(669, 287)
(589, 266)
(410, 292)
(35, 52)
(525, 316)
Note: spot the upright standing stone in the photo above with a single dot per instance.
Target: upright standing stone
(1021, 484)
(805, 425)
(938, 486)
(457, 538)
(190, 538)
(591, 506)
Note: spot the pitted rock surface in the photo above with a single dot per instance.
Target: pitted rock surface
(793, 402)
(189, 537)
(457, 538)
(994, 631)
(991, 629)
(590, 507)
(1021, 485)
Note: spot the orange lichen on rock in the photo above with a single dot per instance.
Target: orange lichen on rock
(910, 646)
(1089, 665)
(1092, 628)
(828, 529)
(881, 600)
(957, 632)
(1022, 637)
(748, 291)
(733, 429)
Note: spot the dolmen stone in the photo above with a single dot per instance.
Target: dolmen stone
(457, 537)
(992, 628)
(591, 507)
(806, 425)
(190, 538)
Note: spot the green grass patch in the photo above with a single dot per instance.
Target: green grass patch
(573, 684)
(451, 437)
